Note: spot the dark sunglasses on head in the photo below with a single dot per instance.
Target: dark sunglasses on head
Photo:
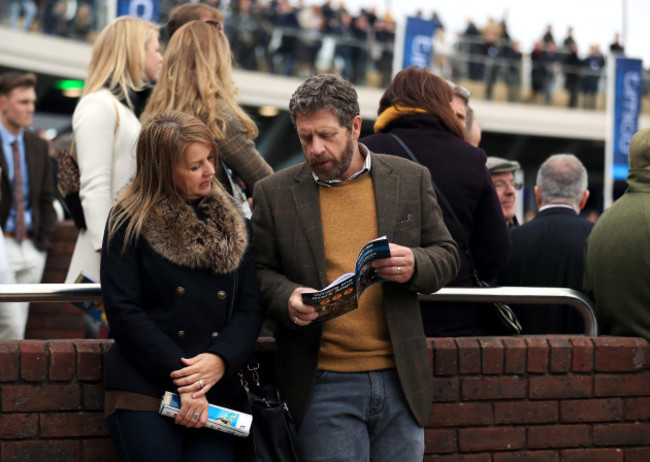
(215, 23)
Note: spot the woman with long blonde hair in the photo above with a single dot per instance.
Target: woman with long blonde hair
(196, 78)
(125, 63)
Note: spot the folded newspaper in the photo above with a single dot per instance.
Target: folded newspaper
(219, 418)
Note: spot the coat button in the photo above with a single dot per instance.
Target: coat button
(221, 294)
(180, 290)
(215, 335)
(181, 334)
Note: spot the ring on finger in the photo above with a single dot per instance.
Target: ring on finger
(196, 416)
(201, 384)
(295, 319)
(399, 269)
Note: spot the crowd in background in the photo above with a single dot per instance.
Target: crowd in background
(294, 39)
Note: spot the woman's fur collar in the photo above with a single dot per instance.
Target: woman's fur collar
(174, 231)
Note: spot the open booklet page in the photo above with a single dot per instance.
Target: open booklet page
(342, 295)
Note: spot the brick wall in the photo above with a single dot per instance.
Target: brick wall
(533, 399)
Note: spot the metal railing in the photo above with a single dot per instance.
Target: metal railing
(520, 295)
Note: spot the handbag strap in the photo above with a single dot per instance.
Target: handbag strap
(445, 203)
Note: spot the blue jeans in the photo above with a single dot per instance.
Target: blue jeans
(359, 417)
(143, 436)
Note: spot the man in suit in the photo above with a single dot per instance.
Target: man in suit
(502, 172)
(616, 260)
(27, 213)
(549, 250)
(359, 386)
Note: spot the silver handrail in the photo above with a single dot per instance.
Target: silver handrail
(523, 295)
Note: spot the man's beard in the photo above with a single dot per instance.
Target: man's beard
(336, 171)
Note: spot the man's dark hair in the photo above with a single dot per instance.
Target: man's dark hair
(326, 91)
(187, 12)
(12, 80)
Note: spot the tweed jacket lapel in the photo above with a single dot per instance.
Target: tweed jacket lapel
(307, 205)
(386, 192)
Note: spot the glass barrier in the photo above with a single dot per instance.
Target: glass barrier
(276, 38)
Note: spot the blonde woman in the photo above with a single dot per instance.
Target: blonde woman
(196, 78)
(125, 62)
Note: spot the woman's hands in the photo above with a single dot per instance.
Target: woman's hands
(201, 373)
(193, 412)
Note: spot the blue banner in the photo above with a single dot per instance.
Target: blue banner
(149, 10)
(627, 106)
(417, 42)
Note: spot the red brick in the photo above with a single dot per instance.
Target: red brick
(89, 360)
(493, 354)
(41, 450)
(33, 361)
(591, 410)
(9, 361)
(445, 356)
(458, 458)
(562, 386)
(73, 424)
(622, 384)
(440, 441)
(637, 454)
(62, 361)
(526, 456)
(445, 390)
(469, 355)
(461, 414)
(92, 397)
(537, 354)
(583, 354)
(29, 398)
(592, 455)
(18, 426)
(491, 439)
(637, 409)
(623, 434)
(516, 351)
(526, 412)
(99, 450)
(621, 354)
(482, 388)
(560, 354)
(559, 436)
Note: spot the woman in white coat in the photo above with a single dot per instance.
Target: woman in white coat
(125, 62)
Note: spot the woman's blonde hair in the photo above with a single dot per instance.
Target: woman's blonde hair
(118, 57)
(161, 144)
(196, 70)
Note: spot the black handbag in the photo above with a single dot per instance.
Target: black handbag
(273, 436)
(504, 321)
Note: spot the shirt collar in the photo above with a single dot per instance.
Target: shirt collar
(549, 206)
(9, 137)
(366, 168)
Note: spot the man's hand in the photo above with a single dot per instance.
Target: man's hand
(299, 313)
(400, 267)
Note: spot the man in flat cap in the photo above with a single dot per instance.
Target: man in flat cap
(503, 177)
(616, 262)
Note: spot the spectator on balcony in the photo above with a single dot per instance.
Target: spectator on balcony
(617, 263)
(286, 18)
(572, 71)
(311, 25)
(384, 30)
(241, 30)
(29, 9)
(503, 176)
(472, 48)
(616, 48)
(549, 250)
(416, 106)
(196, 78)
(124, 64)
(547, 38)
(513, 62)
(592, 70)
(491, 61)
(181, 297)
(569, 41)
